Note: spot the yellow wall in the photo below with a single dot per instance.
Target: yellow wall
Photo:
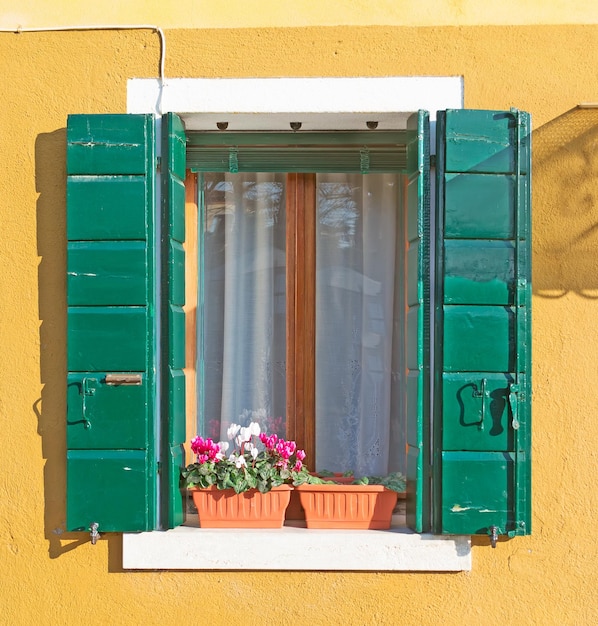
(298, 13)
(52, 577)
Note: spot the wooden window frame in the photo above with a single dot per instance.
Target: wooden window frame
(300, 306)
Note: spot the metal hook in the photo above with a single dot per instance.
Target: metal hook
(95, 535)
(493, 536)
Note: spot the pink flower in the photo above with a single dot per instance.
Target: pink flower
(205, 449)
(269, 441)
(298, 466)
(286, 448)
(301, 455)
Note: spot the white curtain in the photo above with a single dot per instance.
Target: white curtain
(357, 277)
(244, 302)
(356, 381)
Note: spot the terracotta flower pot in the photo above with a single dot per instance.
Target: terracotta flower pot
(337, 477)
(295, 510)
(223, 508)
(347, 506)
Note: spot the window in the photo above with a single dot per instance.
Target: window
(466, 317)
(302, 292)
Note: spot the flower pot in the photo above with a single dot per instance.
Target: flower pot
(295, 510)
(223, 508)
(337, 477)
(347, 506)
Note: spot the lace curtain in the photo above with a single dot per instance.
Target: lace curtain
(357, 298)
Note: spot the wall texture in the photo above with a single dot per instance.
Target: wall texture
(284, 13)
(59, 578)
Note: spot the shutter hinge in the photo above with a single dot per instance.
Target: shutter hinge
(159, 467)
(158, 164)
(432, 160)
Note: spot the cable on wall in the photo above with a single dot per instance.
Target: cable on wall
(151, 27)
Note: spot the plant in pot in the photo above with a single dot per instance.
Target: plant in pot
(251, 486)
(332, 501)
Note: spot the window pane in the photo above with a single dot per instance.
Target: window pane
(242, 327)
(359, 300)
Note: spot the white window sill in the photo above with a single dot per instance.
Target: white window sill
(294, 548)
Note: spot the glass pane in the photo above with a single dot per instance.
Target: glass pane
(359, 325)
(242, 319)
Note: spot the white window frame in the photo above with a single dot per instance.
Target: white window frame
(265, 104)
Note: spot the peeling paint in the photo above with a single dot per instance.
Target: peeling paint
(457, 508)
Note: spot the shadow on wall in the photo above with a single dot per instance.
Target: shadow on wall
(50, 409)
(565, 205)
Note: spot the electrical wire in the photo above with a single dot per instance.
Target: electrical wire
(151, 27)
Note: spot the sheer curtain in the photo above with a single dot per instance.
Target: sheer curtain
(358, 314)
(244, 303)
(357, 277)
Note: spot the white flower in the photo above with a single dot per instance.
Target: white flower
(239, 461)
(254, 428)
(244, 435)
(232, 431)
(223, 445)
(252, 449)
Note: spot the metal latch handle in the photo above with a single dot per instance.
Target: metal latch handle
(123, 379)
(481, 393)
(88, 388)
(513, 390)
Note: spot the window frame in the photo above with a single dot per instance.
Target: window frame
(490, 141)
(310, 549)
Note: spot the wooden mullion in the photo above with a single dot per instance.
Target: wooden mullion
(301, 310)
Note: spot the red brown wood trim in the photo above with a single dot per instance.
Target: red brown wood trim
(301, 257)
(190, 307)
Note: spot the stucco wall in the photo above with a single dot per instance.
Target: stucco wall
(282, 13)
(59, 578)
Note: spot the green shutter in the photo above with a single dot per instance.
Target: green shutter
(111, 459)
(173, 318)
(417, 272)
(482, 321)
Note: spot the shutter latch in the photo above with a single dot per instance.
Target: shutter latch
(480, 393)
(513, 391)
(88, 388)
(123, 379)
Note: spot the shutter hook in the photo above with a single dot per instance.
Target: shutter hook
(493, 536)
(95, 535)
